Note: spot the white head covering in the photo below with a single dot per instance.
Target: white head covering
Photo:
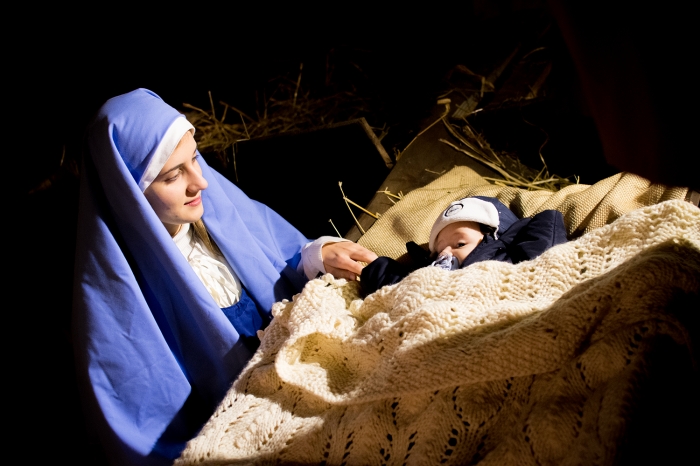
(469, 209)
(164, 150)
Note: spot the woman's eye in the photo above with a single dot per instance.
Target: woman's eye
(173, 178)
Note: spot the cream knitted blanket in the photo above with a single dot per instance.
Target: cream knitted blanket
(534, 363)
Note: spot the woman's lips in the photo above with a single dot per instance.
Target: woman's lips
(194, 202)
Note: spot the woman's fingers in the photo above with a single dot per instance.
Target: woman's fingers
(343, 259)
(340, 273)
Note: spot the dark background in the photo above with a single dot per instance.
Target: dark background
(70, 62)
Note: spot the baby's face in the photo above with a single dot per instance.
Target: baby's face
(459, 239)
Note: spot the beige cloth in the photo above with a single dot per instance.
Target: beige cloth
(585, 207)
(534, 363)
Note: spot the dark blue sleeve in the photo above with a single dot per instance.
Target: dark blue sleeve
(541, 232)
(490, 249)
(381, 272)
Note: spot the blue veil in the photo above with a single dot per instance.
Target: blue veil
(154, 352)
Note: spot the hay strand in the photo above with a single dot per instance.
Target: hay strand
(389, 193)
(296, 91)
(446, 103)
(336, 230)
(340, 185)
(514, 173)
(288, 108)
(375, 215)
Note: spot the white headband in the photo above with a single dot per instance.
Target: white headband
(468, 209)
(164, 150)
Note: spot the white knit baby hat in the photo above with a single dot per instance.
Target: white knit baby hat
(468, 209)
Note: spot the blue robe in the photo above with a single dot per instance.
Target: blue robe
(154, 352)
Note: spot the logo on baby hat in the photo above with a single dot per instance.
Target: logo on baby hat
(453, 209)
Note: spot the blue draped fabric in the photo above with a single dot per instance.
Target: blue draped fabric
(151, 345)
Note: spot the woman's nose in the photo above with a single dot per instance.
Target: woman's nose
(197, 182)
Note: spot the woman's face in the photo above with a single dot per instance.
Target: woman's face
(459, 239)
(175, 194)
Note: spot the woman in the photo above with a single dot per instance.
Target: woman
(176, 270)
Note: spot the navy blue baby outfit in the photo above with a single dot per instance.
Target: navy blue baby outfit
(518, 240)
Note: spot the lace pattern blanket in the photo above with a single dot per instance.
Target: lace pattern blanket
(534, 363)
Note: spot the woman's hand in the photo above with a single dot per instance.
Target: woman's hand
(342, 259)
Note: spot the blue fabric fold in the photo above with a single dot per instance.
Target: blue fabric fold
(148, 336)
(245, 316)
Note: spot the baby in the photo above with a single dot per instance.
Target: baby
(472, 230)
(460, 229)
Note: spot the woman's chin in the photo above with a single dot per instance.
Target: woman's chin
(195, 213)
